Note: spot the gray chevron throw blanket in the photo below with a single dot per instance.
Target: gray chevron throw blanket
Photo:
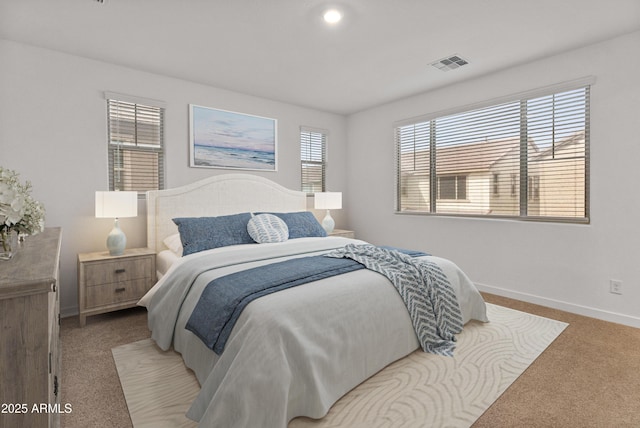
(424, 288)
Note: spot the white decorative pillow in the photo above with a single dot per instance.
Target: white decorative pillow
(174, 243)
(267, 228)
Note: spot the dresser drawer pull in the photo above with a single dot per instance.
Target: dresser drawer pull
(120, 290)
(120, 270)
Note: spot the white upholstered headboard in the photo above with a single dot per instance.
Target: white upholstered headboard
(218, 195)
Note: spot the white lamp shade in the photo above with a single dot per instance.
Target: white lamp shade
(116, 204)
(328, 200)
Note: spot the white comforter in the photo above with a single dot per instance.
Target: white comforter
(295, 352)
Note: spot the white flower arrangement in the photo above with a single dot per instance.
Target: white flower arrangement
(18, 210)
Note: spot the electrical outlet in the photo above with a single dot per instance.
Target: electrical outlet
(615, 286)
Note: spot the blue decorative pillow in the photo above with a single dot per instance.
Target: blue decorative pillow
(267, 228)
(301, 224)
(204, 233)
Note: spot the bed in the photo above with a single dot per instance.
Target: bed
(291, 353)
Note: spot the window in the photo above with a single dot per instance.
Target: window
(452, 187)
(313, 154)
(451, 164)
(496, 184)
(136, 143)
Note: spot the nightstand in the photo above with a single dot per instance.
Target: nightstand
(344, 233)
(109, 283)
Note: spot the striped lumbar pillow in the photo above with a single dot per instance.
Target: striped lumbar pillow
(266, 228)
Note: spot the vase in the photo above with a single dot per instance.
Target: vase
(8, 244)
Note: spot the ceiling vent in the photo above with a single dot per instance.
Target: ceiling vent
(450, 63)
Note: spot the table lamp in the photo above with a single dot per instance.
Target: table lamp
(116, 205)
(328, 201)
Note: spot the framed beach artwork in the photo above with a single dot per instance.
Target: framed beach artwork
(226, 139)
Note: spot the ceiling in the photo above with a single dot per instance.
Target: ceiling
(282, 49)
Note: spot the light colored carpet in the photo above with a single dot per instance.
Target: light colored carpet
(421, 390)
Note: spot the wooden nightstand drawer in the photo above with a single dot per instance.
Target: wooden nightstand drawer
(116, 292)
(117, 271)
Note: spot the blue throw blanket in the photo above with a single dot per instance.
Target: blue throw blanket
(224, 298)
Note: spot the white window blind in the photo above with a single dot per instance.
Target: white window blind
(313, 153)
(526, 158)
(136, 145)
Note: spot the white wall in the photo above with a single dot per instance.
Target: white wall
(559, 265)
(53, 132)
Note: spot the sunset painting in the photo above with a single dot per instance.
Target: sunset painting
(226, 139)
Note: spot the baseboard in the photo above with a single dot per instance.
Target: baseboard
(73, 311)
(563, 306)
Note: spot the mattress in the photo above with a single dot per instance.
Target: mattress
(164, 260)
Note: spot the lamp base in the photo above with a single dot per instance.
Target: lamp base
(328, 223)
(116, 241)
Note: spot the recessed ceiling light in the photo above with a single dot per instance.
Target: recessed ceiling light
(332, 16)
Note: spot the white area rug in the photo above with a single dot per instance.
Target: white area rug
(421, 390)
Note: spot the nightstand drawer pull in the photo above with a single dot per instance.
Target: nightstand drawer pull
(120, 290)
(120, 270)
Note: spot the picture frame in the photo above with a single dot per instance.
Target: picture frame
(231, 140)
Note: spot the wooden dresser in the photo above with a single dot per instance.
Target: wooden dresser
(29, 334)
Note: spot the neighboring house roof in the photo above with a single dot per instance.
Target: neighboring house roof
(483, 156)
(468, 158)
(565, 144)
(479, 157)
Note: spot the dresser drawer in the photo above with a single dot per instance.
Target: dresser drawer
(116, 292)
(117, 271)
